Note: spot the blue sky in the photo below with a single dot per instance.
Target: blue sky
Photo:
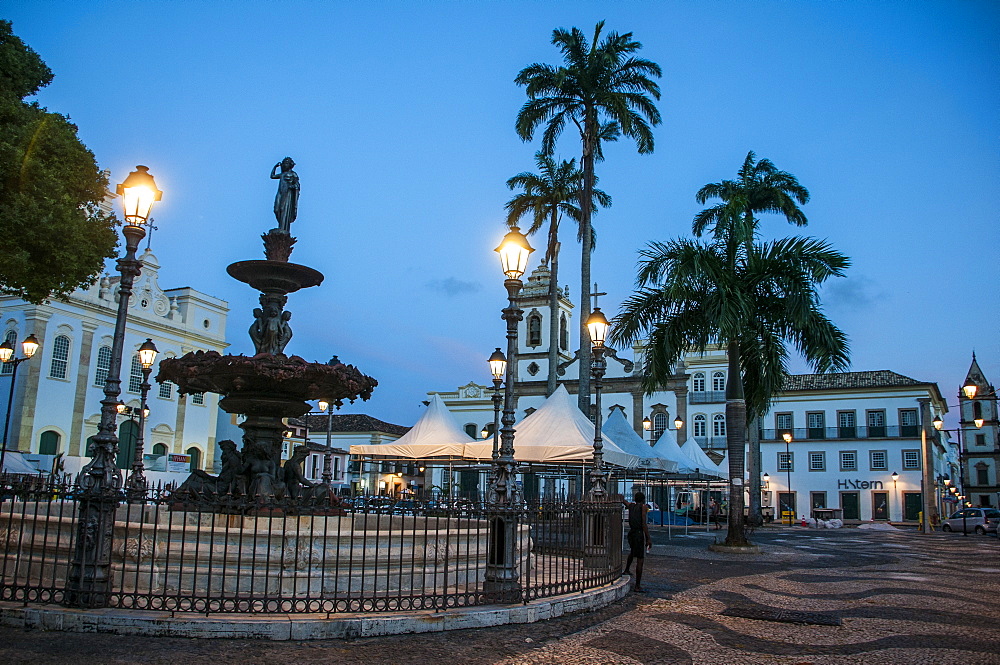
(400, 116)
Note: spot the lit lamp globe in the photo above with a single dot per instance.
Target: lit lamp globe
(484, 433)
(895, 476)
(970, 391)
(937, 422)
(514, 250)
(147, 354)
(323, 405)
(6, 351)
(647, 424)
(138, 194)
(597, 326)
(766, 477)
(120, 407)
(787, 436)
(28, 348)
(678, 423)
(498, 365)
(979, 422)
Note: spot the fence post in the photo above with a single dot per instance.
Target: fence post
(89, 581)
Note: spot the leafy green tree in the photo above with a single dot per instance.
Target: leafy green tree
(603, 90)
(546, 196)
(759, 187)
(56, 238)
(752, 298)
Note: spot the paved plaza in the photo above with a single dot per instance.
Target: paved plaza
(811, 597)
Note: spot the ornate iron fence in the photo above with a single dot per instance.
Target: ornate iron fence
(230, 554)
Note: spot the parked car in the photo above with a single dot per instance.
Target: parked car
(980, 520)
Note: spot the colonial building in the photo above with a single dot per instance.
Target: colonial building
(981, 445)
(850, 431)
(57, 397)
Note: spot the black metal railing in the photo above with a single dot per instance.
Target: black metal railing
(852, 432)
(218, 554)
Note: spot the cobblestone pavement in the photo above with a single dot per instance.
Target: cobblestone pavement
(812, 597)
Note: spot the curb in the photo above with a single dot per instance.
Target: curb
(304, 626)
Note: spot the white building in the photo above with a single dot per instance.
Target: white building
(980, 442)
(57, 397)
(850, 431)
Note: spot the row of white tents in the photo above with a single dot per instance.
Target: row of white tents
(557, 432)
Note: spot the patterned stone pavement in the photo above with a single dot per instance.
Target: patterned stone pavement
(844, 596)
(812, 597)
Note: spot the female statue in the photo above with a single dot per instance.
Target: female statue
(286, 202)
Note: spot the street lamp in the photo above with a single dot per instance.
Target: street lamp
(28, 347)
(503, 496)
(678, 423)
(99, 481)
(136, 483)
(598, 326)
(498, 368)
(787, 436)
(324, 405)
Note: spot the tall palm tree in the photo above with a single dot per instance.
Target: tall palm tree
(548, 195)
(604, 91)
(753, 299)
(759, 187)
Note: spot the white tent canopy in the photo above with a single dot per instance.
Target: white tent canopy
(557, 432)
(666, 446)
(436, 434)
(622, 434)
(14, 462)
(703, 461)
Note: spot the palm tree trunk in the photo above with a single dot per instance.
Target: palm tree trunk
(736, 434)
(586, 203)
(550, 384)
(753, 470)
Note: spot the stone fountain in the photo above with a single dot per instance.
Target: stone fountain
(270, 386)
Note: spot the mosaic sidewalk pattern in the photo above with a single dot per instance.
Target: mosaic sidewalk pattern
(845, 597)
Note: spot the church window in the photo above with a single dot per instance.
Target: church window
(977, 410)
(103, 366)
(60, 357)
(135, 375)
(718, 425)
(48, 443)
(700, 425)
(166, 390)
(195, 458)
(698, 383)
(11, 338)
(719, 381)
(982, 475)
(472, 430)
(160, 449)
(198, 398)
(534, 329)
(563, 333)
(659, 425)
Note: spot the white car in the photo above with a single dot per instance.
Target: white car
(980, 520)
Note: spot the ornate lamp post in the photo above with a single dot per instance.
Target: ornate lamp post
(99, 481)
(503, 496)
(498, 368)
(28, 347)
(598, 326)
(135, 486)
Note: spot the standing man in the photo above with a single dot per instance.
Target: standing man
(638, 537)
(713, 511)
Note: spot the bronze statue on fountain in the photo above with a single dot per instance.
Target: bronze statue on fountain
(270, 386)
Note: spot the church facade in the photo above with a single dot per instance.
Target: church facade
(980, 443)
(57, 394)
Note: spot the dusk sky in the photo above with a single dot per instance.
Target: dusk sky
(400, 116)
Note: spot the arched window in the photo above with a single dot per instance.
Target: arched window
(135, 375)
(718, 381)
(195, 454)
(659, 425)
(103, 366)
(977, 410)
(534, 329)
(698, 382)
(166, 390)
(11, 338)
(700, 425)
(128, 434)
(472, 430)
(718, 425)
(160, 449)
(60, 357)
(48, 443)
(489, 430)
(563, 333)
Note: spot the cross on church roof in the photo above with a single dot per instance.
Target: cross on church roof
(596, 293)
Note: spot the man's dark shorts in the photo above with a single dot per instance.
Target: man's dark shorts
(637, 543)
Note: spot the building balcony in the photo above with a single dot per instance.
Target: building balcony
(820, 433)
(707, 397)
(711, 442)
